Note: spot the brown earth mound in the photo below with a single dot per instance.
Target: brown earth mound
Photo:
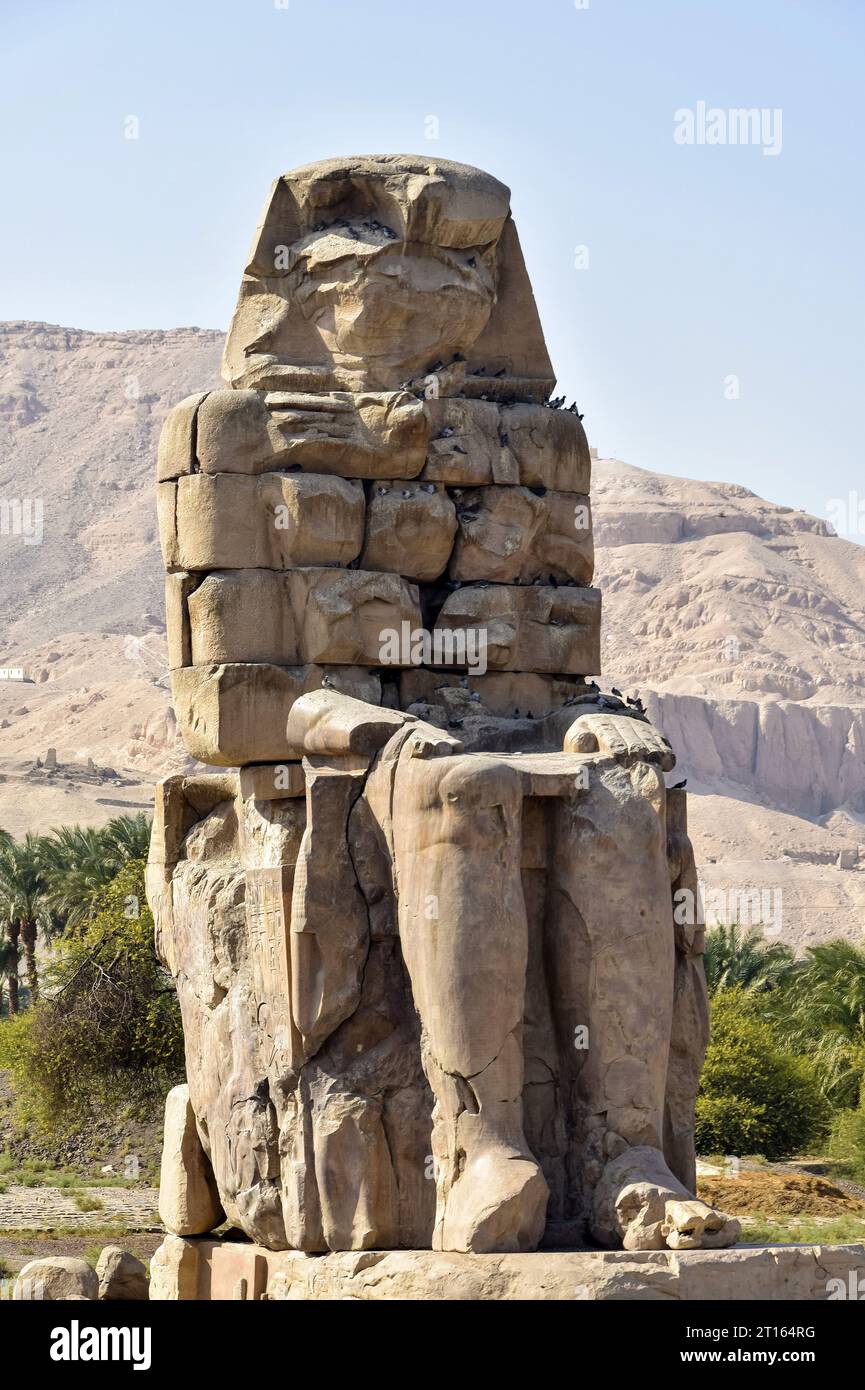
(777, 1194)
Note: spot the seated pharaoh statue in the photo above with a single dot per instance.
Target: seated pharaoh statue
(436, 988)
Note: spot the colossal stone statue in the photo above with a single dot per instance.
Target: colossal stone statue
(434, 991)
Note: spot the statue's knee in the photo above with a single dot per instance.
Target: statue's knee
(471, 785)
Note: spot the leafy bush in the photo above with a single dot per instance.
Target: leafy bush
(821, 1014)
(847, 1140)
(755, 1095)
(86, 1203)
(107, 1027)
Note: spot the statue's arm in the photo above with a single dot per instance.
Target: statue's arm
(629, 738)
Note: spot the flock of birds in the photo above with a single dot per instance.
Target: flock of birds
(370, 224)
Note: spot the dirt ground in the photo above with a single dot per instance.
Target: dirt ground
(777, 1195)
(17, 1251)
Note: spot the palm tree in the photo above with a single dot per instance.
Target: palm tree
(23, 909)
(9, 974)
(127, 837)
(74, 862)
(824, 1015)
(735, 957)
(79, 860)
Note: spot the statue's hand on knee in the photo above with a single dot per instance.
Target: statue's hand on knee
(326, 723)
(619, 736)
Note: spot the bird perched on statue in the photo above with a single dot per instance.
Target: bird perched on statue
(679, 786)
(614, 691)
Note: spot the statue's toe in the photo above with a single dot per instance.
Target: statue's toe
(696, 1226)
(498, 1205)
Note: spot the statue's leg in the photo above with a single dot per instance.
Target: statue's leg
(690, 1032)
(609, 873)
(463, 929)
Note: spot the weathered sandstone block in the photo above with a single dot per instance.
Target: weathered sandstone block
(365, 435)
(58, 1277)
(174, 1271)
(274, 521)
(508, 533)
(774, 1273)
(304, 615)
(463, 441)
(234, 433)
(234, 713)
(550, 447)
(122, 1278)
(533, 628)
(188, 1199)
(410, 529)
(178, 588)
(177, 438)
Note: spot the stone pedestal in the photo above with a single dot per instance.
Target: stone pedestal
(203, 1269)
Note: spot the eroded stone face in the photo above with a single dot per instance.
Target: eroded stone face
(445, 855)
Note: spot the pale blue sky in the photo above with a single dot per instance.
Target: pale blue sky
(704, 261)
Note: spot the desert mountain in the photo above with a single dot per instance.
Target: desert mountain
(742, 625)
(740, 622)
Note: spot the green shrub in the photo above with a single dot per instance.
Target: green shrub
(847, 1141)
(86, 1203)
(755, 1095)
(107, 1027)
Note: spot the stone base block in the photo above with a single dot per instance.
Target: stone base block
(203, 1269)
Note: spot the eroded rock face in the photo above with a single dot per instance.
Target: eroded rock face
(432, 989)
(779, 1273)
(188, 1200)
(122, 1277)
(302, 1037)
(58, 1277)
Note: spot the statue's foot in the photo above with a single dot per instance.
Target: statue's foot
(498, 1204)
(639, 1203)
